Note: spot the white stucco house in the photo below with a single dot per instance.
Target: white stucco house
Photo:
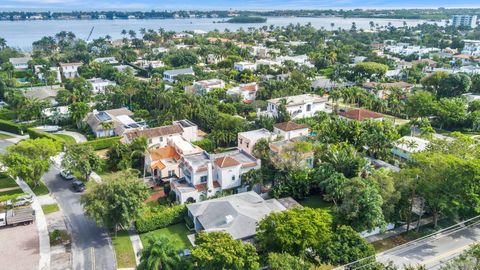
(99, 85)
(70, 70)
(248, 91)
(298, 106)
(247, 140)
(290, 130)
(169, 75)
(244, 65)
(20, 63)
(408, 145)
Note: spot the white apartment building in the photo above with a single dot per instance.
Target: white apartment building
(298, 106)
(464, 21)
(471, 47)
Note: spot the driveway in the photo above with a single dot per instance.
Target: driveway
(79, 138)
(91, 246)
(19, 247)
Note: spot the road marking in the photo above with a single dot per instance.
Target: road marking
(446, 254)
(92, 251)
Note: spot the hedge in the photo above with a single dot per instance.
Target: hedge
(103, 143)
(7, 114)
(34, 134)
(161, 218)
(11, 127)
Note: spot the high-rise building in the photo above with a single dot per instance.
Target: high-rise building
(464, 21)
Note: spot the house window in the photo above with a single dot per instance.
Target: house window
(203, 179)
(241, 141)
(161, 139)
(248, 144)
(309, 107)
(171, 173)
(233, 177)
(149, 140)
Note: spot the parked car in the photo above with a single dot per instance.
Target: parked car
(67, 175)
(23, 200)
(78, 186)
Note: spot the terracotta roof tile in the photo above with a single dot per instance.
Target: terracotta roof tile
(361, 114)
(289, 126)
(226, 161)
(201, 187)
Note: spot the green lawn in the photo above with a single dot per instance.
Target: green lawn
(176, 233)
(40, 189)
(50, 208)
(11, 192)
(66, 138)
(123, 250)
(5, 136)
(316, 201)
(7, 182)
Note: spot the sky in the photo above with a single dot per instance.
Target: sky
(226, 4)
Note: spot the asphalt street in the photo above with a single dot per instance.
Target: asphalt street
(434, 251)
(91, 246)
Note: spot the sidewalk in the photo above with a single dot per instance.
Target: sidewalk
(398, 230)
(41, 223)
(136, 243)
(16, 138)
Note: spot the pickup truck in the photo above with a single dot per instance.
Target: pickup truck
(17, 216)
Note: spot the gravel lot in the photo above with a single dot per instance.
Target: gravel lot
(19, 247)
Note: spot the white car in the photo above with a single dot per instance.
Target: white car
(23, 200)
(67, 175)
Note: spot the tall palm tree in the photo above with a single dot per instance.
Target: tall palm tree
(160, 253)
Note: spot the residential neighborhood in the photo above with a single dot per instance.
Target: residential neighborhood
(241, 139)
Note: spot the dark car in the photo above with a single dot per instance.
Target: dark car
(78, 186)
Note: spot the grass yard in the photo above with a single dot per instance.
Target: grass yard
(66, 138)
(176, 233)
(7, 182)
(50, 208)
(5, 136)
(123, 250)
(11, 192)
(40, 189)
(316, 201)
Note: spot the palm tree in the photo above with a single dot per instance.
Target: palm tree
(139, 147)
(3, 43)
(106, 126)
(160, 253)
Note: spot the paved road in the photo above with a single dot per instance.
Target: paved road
(433, 252)
(91, 245)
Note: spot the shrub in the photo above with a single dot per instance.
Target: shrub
(7, 114)
(11, 196)
(11, 127)
(161, 218)
(103, 143)
(34, 134)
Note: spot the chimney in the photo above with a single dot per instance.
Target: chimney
(209, 180)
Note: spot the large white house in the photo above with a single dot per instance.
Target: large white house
(237, 215)
(203, 87)
(99, 85)
(169, 75)
(298, 106)
(244, 65)
(408, 145)
(20, 63)
(70, 70)
(248, 91)
(113, 122)
(471, 47)
(290, 130)
(204, 174)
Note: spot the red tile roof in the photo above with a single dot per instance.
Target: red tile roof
(361, 114)
(226, 161)
(203, 186)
